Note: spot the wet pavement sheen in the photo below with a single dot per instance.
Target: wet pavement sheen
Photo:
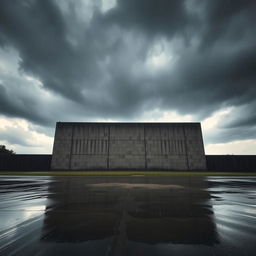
(133, 215)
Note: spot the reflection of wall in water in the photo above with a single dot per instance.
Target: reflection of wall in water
(94, 208)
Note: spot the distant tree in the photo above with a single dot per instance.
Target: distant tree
(5, 151)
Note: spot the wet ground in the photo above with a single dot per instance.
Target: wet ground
(134, 215)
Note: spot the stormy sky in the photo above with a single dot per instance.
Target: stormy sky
(128, 60)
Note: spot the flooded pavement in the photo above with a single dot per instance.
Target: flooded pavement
(133, 215)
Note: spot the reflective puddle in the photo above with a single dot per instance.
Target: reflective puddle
(136, 215)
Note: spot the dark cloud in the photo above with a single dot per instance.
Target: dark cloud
(243, 118)
(232, 134)
(20, 107)
(37, 30)
(96, 63)
(162, 17)
(227, 20)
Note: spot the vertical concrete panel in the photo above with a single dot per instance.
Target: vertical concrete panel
(165, 148)
(126, 146)
(62, 146)
(195, 147)
(88, 152)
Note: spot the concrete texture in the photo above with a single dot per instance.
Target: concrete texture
(128, 146)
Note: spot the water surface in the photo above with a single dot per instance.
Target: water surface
(136, 215)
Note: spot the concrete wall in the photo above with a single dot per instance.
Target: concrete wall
(25, 162)
(161, 146)
(239, 163)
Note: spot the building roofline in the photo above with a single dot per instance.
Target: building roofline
(59, 122)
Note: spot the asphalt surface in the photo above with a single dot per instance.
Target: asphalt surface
(133, 215)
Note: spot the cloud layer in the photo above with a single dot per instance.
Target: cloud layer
(122, 60)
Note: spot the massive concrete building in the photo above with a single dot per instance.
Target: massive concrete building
(128, 146)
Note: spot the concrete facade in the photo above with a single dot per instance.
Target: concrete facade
(128, 146)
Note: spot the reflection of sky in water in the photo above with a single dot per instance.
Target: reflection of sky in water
(234, 205)
(32, 211)
(21, 199)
